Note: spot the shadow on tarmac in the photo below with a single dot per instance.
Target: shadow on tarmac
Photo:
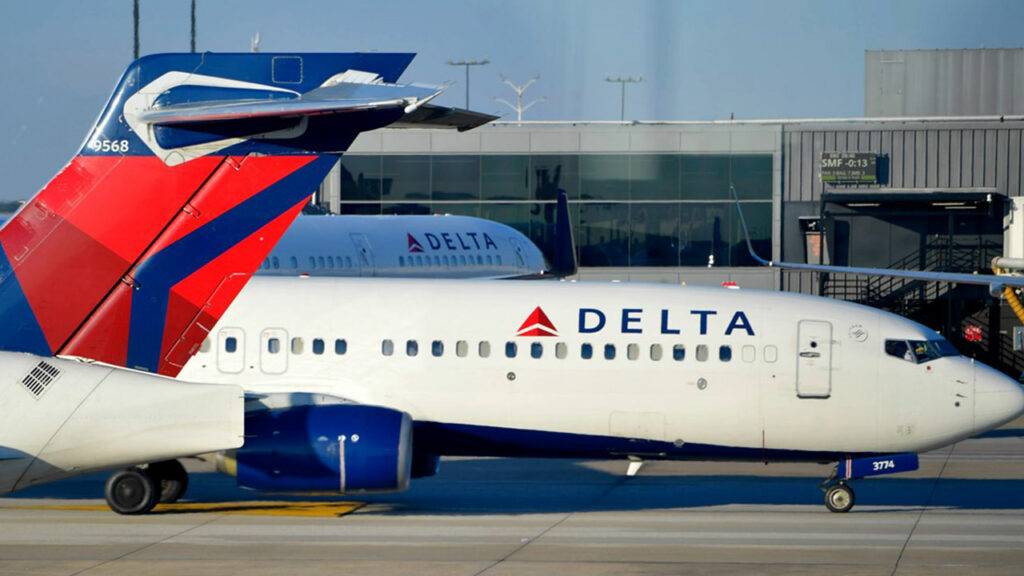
(524, 486)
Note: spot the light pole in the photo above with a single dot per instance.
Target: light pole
(135, 30)
(192, 43)
(623, 80)
(519, 108)
(467, 64)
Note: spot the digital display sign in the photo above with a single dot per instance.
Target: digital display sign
(849, 167)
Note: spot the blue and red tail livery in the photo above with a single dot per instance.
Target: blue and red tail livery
(197, 165)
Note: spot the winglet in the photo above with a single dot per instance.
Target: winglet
(564, 262)
(746, 231)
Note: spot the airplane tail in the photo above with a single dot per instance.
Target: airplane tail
(564, 258)
(193, 171)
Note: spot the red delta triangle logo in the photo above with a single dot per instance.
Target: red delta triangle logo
(537, 324)
(414, 245)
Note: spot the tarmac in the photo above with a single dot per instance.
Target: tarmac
(961, 513)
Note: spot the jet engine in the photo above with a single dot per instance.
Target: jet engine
(336, 447)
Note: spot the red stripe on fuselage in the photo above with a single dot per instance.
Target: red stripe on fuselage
(197, 302)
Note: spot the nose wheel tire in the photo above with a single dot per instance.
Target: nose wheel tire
(839, 498)
(131, 492)
(171, 478)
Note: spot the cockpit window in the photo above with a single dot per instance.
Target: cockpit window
(920, 351)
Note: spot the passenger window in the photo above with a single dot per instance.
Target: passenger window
(609, 351)
(511, 349)
(437, 260)
(900, 349)
(230, 344)
(387, 347)
(679, 352)
(318, 346)
(275, 262)
(480, 260)
(401, 261)
(437, 348)
(461, 348)
(536, 350)
(749, 353)
(633, 351)
(340, 346)
(490, 262)
(725, 353)
(412, 348)
(205, 346)
(297, 346)
(273, 345)
(321, 262)
(462, 259)
(498, 259)
(561, 350)
(312, 262)
(294, 262)
(702, 353)
(446, 262)
(586, 351)
(348, 261)
(655, 352)
(483, 349)
(771, 353)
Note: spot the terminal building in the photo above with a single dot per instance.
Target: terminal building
(653, 200)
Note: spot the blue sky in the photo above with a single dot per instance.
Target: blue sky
(700, 59)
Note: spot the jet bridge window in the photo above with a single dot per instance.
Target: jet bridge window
(273, 345)
(340, 346)
(586, 351)
(318, 346)
(231, 344)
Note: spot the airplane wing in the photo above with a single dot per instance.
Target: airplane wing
(995, 283)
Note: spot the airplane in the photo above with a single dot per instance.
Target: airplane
(112, 275)
(369, 392)
(440, 246)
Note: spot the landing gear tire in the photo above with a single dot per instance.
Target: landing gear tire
(171, 478)
(839, 498)
(132, 491)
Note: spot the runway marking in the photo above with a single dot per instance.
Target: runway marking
(245, 508)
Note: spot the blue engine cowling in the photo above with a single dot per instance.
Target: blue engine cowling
(337, 447)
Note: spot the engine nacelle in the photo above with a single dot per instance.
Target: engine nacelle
(336, 447)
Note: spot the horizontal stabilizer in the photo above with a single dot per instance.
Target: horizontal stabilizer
(432, 116)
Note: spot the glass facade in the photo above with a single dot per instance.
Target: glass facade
(626, 209)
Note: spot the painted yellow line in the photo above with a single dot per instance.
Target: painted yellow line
(242, 508)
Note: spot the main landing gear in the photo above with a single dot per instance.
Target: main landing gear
(137, 490)
(839, 495)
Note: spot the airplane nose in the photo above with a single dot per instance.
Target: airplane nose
(997, 399)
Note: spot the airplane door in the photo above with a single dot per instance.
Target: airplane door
(814, 359)
(364, 253)
(274, 351)
(230, 350)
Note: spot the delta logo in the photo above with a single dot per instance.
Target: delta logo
(414, 245)
(537, 324)
(452, 241)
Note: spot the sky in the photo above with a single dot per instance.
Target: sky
(699, 59)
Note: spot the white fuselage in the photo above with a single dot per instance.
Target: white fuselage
(442, 246)
(768, 374)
